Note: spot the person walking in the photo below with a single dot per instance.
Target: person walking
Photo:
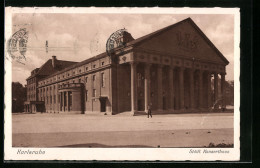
(149, 111)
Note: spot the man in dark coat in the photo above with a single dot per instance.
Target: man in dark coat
(149, 111)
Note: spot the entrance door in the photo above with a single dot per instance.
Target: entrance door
(164, 103)
(140, 105)
(103, 105)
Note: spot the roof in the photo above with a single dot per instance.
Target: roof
(104, 54)
(67, 65)
(160, 31)
(47, 69)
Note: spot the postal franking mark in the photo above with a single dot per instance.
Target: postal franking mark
(115, 40)
(17, 45)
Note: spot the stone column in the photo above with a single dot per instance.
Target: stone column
(67, 95)
(215, 90)
(133, 88)
(159, 84)
(60, 94)
(201, 89)
(209, 90)
(223, 91)
(181, 74)
(171, 90)
(63, 94)
(192, 88)
(147, 87)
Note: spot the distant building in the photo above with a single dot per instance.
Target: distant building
(33, 102)
(170, 69)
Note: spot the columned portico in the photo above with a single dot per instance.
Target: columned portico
(171, 90)
(209, 90)
(160, 94)
(223, 90)
(71, 98)
(181, 84)
(147, 87)
(201, 90)
(216, 90)
(192, 88)
(133, 88)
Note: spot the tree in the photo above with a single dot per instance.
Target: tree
(18, 97)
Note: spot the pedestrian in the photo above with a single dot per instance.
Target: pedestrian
(149, 111)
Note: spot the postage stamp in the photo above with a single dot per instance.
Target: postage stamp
(136, 84)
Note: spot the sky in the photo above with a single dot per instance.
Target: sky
(77, 37)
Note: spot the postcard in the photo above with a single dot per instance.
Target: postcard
(122, 84)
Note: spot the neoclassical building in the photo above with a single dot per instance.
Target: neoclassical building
(171, 69)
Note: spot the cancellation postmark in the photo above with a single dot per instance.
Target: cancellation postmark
(115, 41)
(17, 46)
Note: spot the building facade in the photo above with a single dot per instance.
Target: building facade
(170, 69)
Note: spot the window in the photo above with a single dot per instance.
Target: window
(94, 92)
(50, 99)
(86, 95)
(54, 97)
(47, 100)
(73, 81)
(102, 63)
(86, 79)
(79, 70)
(94, 66)
(79, 80)
(102, 80)
(94, 77)
(86, 68)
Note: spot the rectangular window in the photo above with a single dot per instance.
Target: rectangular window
(94, 77)
(79, 80)
(50, 99)
(86, 79)
(47, 100)
(102, 80)
(54, 97)
(86, 95)
(94, 92)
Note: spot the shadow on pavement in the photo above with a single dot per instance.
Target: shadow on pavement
(97, 145)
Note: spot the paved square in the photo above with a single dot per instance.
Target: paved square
(75, 130)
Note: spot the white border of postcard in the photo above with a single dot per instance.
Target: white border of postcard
(122, 154)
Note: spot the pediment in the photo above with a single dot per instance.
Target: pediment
(185, 40)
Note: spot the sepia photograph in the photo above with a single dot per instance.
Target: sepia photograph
(106, 81)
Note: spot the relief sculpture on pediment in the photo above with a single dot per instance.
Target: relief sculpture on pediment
(187, 41)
